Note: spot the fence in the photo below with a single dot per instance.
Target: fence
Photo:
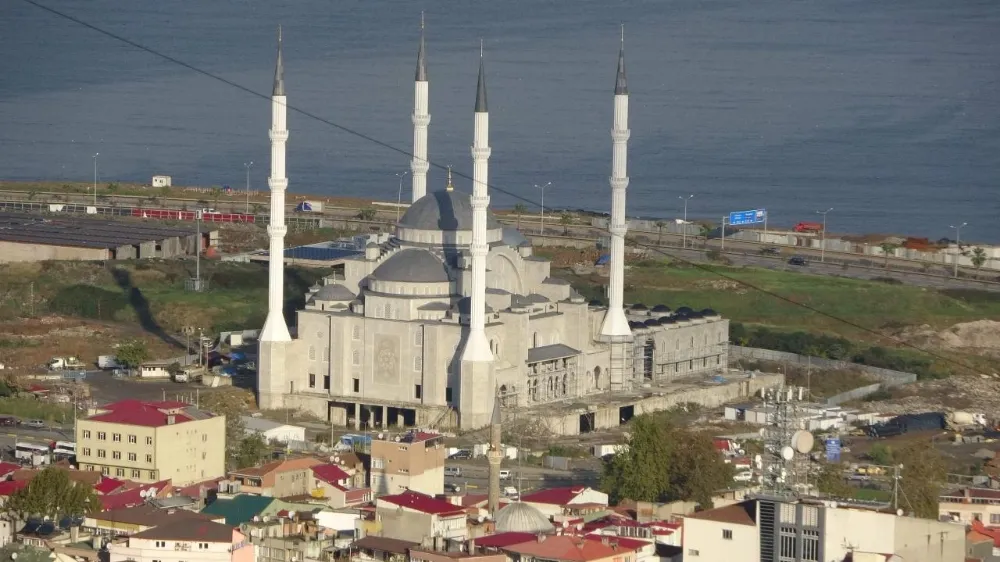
(887, 377)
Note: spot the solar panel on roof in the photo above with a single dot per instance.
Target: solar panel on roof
(318, 254)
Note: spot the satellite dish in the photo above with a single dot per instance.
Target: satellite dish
(833, 505)
(899, 512)
(802, 441)
(787, 453)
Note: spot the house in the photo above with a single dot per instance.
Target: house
(131, 520)
(966, 505)
(185, 540)
(567, 548)
(288, 536)
(567, 500)
(813, 529)
(414, 516)
(412, 461)
(137, 495)
(279, 479)
(240, 509)
(334, 484)
(273, 431)
(380, 549)
(470, 554)
(152, 441)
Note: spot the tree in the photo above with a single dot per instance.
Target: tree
(132, 353)
(250, 451)
(225, 404)
(665, 462)
(566, 220)
(366, 214)
(659, 231)
(831, 481)
(51, 494)
(978, 257)
(519, 210)
(923, 470)
(887, 249)
(880, 454)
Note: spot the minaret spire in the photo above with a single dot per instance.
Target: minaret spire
(481, 85)
(279, 71)
(615, 329)
(421, 119)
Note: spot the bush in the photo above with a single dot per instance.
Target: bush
(896, 361)
(802, 343)
(88, 301)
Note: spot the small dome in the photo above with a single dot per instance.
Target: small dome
(412, 265)
(595, 303)
(520, 517)
(661, 308)
(709, 312)
(683, 311)
(633, 325)
(334, 292)
(667, 320)
(445, 211)
(639, 306)
(652, 322)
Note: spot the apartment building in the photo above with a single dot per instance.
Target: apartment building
(770, 529)
(152, 441)
(411, 461)
(278, 479)
(414, 516)
(966, 505)
(184, 541)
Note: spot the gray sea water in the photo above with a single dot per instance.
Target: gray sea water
(887, 111)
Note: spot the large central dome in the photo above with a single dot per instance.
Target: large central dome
(445, 211)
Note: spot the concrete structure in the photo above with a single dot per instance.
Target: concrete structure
(288, 537)
(273, 431)
(152, 441)
(421, 119)
(184, 541)
(412, 461)
(414, 516)
(773, 530)
(31, 238)
(966, 505)
(415, 333)
(278, 479)
(161, 181)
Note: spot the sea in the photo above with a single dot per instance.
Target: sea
(886, 111)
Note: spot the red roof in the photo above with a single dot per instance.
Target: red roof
(108, 485)
(721, 444)
(554, 496)
(8, 487)
(332, 474)
(132, 497)
(36, 388)
(194, 490)
(501, 540)
(571, 549)
(137, 412)
(423, 503)
(623, 542)
(8, 468)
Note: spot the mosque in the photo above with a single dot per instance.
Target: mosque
(454, 315)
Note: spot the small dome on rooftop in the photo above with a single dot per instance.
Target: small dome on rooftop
(334, 292)
(412, 265)
(519, 517)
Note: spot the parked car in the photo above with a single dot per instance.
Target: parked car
(462, 454)
(744, 476)
(453, 471)
(35, 424)
(797, 260)
(452, 488)
(9, 420)
(771, 251)
(504, 474)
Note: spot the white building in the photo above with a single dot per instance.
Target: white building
(414, 516)
(425, 327)
(773, 530)
(161, 181)
(184, 541)
(272, 430)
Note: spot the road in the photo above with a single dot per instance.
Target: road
(475, 476)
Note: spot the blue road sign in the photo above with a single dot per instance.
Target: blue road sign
(833, 450)
(755, 216)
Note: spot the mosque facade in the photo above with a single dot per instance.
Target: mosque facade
(454, 313)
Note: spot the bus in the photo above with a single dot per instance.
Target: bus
(64, 449)
(29, 453)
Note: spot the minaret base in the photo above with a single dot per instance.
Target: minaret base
(275, 329)
(271, 374)
(476, 394)
(493, 498)
(615, 324)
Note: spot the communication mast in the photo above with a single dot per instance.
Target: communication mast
(785, 443)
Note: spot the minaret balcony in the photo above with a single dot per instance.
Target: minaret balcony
(620, 135)
(481, 152)
(420, 166)
(279, 136)
(421, 120)
(618, 183)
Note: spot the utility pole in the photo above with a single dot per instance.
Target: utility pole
(958, 244)
(822, 244)
(723, 229)
(197, 254)
(895, 486)
(399, 194)
(248, 165)
(95, 177)
(684, 230)
(541, 229)
(31, 299)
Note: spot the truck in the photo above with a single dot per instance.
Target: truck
(964, 421)
(808, 227)
(107, 362)
(63, 363)
(309, 207)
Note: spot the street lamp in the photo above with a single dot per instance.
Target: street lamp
(248, 165)
(822, 246)
(958, 245)
(399, 194)
(684, 230)
(541, 229)
(95, 177)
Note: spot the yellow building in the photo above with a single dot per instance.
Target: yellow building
(152, 441)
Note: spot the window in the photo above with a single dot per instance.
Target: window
(378, 463)
(149, 458)
(312, 353)
(418, 391)
(119, 472)
(789, 550)
(356, 357)
(418, 338)
(312, 380)
(357, 385)
(692, 552)
(152, 475)
(101, 454)
(116, 437)
(326, 354)
(101, 435)
(161, 544)
(117, 455)
(131, 456)
(727, 534)
(418, 363)
(86, 434)
(810, 545)
(149, 440)
(203, 545)
(132, 439)
(136, 474)
(356, 334)
(105, 471)
(447, 394)
(995, 519)
(326, 382)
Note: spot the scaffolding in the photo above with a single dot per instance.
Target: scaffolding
(620, 371)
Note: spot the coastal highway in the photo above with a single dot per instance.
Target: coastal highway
(475, 476)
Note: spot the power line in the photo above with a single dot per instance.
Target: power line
(492, 187)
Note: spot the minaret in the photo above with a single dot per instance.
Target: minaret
(495, 455)
(421, 119)
(478, 377)
(615, 324)
(477, 348)
(274, 337)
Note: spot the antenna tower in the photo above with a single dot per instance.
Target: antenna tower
(779, 470)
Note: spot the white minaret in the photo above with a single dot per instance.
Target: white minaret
(615, 324)
(421, 119)
(477, 347)
(275, 329)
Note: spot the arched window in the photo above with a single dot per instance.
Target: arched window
(503, 395)
(356, 357)
(565, 386)
(357, 333)
(535, 342)
(597, 376)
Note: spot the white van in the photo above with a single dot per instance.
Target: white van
(453, 471)
(505, 474)
(745, 476)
